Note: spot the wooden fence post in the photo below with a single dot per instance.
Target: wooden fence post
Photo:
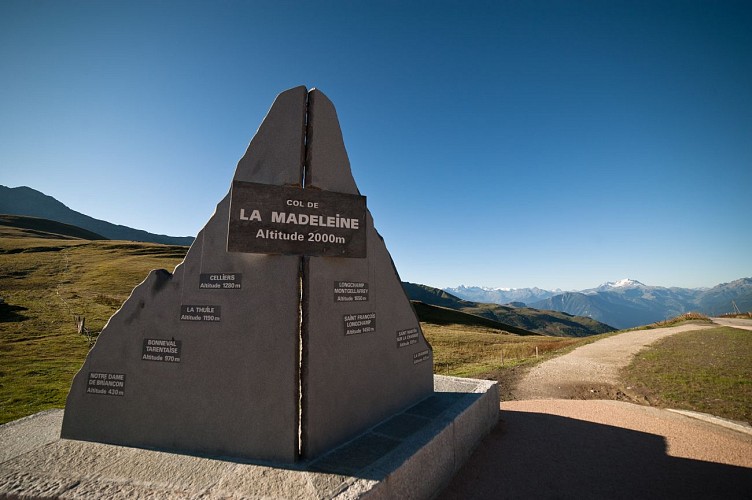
(80, 324)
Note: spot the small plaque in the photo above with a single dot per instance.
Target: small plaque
(167, 351)
(355, 324)
(407, 337)
(106, 384)
(221, 281)
(200, 313)
(350, 291)
(295, 221)
(421, 356)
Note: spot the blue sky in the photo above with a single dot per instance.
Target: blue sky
(557, 144)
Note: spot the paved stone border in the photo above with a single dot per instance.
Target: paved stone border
(723, 422)
(411, 455)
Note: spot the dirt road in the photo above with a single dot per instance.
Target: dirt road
(555, 445)
(744, 324)
(590, 371)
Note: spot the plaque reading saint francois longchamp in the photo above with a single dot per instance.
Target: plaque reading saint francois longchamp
(355, 324)
(296, 221)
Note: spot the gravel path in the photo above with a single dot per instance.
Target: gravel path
(557, 445)
(590, 371)
(744, 324)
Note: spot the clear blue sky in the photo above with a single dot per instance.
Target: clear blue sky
(557, 144)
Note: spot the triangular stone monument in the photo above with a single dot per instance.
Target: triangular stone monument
(284, 333)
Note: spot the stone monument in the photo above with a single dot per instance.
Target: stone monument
(283, 334)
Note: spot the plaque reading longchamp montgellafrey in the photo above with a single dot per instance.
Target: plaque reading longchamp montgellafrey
(407, 337)
(200, 313)
(355, 324)
(167, 351)
(220, 281)
(295, 221)
(350, 291)
(106, 384)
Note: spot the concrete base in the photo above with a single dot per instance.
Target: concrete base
(414, 454)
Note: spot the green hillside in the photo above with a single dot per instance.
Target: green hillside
(44, 284)
(532, 320)
(22, 226)
(26, 201)
(438, 315)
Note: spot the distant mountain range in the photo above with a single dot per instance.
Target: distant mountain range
(502, 295)
(26, 201)
(517, 320)
(622, 304)
(627, 303)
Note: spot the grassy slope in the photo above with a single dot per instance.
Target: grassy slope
(445, 316)
(545, 322)
(466, 345)
(480, 352)
(44, 284)
(706, 370)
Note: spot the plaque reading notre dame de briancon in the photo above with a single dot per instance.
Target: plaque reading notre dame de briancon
(106, 384)
(294, 221)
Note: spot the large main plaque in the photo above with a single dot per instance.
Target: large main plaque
(295, 221)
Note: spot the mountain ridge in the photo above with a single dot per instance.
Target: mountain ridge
(501, 295)
(25, 225)
(27, 201)
(628, 303)
(537, 321)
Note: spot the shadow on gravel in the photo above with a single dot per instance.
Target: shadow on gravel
(535, 455)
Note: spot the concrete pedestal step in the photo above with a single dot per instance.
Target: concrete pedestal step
(413, 454)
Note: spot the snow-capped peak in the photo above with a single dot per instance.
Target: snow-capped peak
(625, 283)
(484, 288)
